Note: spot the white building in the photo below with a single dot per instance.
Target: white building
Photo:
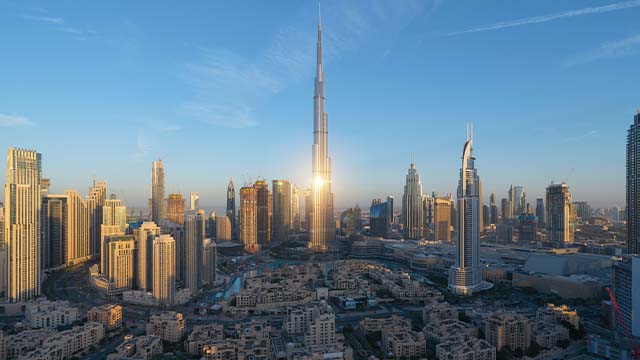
(42, 313)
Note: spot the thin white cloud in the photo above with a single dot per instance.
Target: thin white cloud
(14, 121)
(609, 50)
(45, 19)
(580, 137)
(227, 88)
(550, 17)
(57, 23)
(149, 136)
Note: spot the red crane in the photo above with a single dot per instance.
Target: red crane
(635, 348)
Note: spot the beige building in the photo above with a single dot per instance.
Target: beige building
(559, 215)
(139, 348)
(437, 312)
(157, 192)
(164, 269)
(547, 334)
(109, 315)
(77, 247)
(508, 329)
(442, 219)
(42, 313)
(168, 325)
(67, 344)
(223, 229)
(22, 226)
(465, 350)
(557, 313)
(95, 201)
(407, 344)
(144, 236)
(203, 335)
(175, 208)
(106, 232)
(120, 261)
(249, 219)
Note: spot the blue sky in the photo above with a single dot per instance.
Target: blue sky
(224, 89)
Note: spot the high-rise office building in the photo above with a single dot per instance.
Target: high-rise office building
(296, 221)
(193, 245)
(583, 210)
(95, 201)
(527, 228)
(55, 229)
(281, 219)
(322, 228)
(45, 251)
(264, 218)
(120, 261)
(442, 219)
(517, 200)
(465, 277)
(175, 208)
(347, 221)
(157, 192)
(164, 269)
(223, 229)
(486, 217)
(412, 207)
(626, 289)
(559, 215)
(144, 237)
(540, 212)
(505, 209)
(77, 244)
(194, 204)
(22, 225)
(211, 225)
(493, 210)
(209, 261)
(231, 208)
(381, 217)
(633, 186)
(249, 219)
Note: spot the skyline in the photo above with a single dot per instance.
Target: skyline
(588, 141)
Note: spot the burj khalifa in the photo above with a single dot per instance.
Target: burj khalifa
(322, 227)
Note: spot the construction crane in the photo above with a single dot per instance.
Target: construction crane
(635, 347)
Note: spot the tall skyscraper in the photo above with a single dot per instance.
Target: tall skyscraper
(517, 200)
(442, 219)
(106, 232)
(231, 208)
(264, 214)
(322, 228)
(540, 212)
(626, 289)
(559, 217)
(114, 213)
(296, 221)
(281, 220)
(120, 261)
(193, 242)
(55, 232)
(164, 269)
(493, 210)
(175, 208)
(157, 191)
(465, 277)
(95, 201)
(307, 210)
(381, 217)
(195, 201)
(77, 245)
(633, 186)
(144, 237)
(249, 219)
(505, 209)
(22, 224)
(223, 229)
(209, 261)
(583, 209)
(412, 208)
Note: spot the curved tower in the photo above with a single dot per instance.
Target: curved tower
(322, 227)
(465, 277)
